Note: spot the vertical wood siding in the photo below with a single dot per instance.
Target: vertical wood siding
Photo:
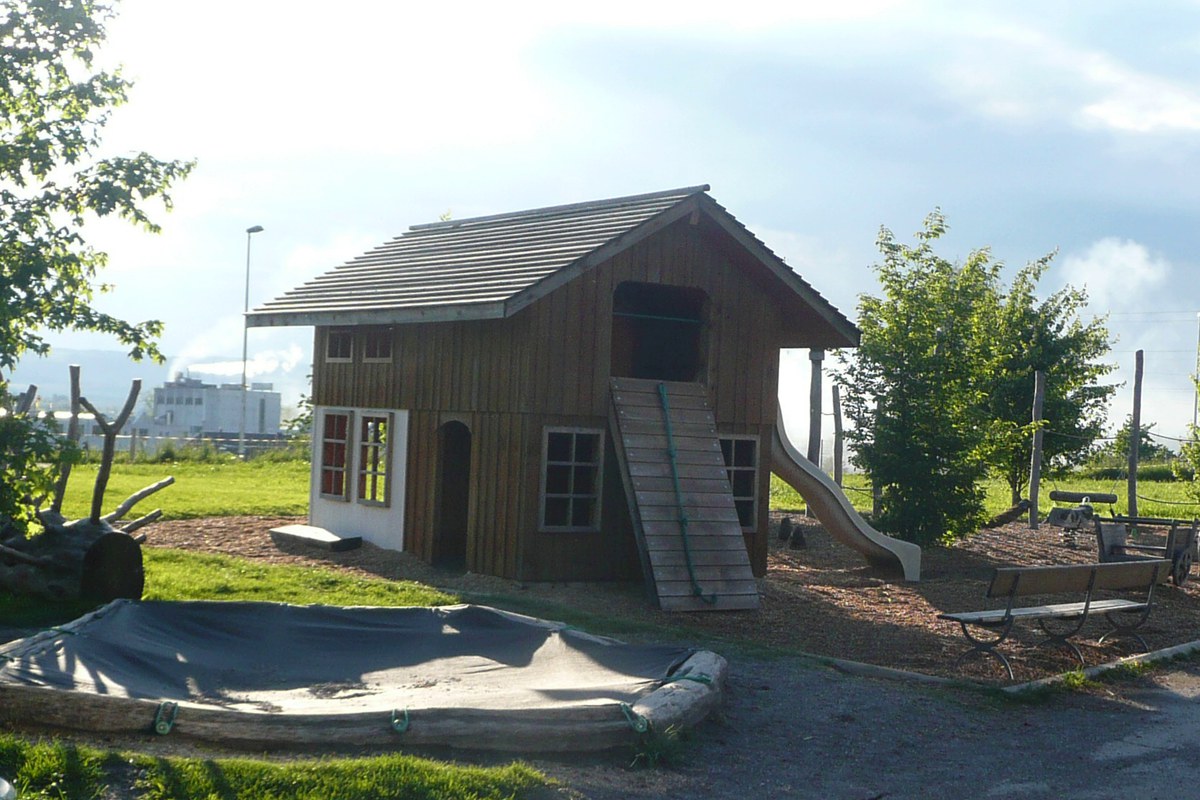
(549, 365)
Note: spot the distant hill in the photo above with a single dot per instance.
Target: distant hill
(105, 376)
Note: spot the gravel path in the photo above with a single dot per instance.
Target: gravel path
(791, 730)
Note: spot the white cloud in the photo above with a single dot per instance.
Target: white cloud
(1115, 272)
(1012, 72)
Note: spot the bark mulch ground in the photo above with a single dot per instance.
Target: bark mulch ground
(822, 599)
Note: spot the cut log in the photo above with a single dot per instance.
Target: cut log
(112, 569)
(73, 561)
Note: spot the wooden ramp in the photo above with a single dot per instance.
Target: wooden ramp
(706, 568)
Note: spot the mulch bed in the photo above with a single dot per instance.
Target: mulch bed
(822, 599)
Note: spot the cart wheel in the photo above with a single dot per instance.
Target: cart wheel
(1181, 567)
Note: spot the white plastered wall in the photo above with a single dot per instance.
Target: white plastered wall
(380, 525)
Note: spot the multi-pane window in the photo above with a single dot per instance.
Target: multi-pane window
(571, 480)
(741, 467)
(373, 432)
(335, 454)
(339, 345)
(377, 344)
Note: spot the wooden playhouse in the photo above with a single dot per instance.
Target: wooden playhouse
(582, 392)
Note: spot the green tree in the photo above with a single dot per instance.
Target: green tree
(915, 388)
(1028, 336)
(1148, 449)
(54, 103)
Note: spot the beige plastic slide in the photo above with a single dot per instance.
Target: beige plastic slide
(831, 506)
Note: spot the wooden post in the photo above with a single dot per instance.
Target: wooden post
(816, 356)
(1135, 433)
(1035, 464)
(64, 473)
(837, 436)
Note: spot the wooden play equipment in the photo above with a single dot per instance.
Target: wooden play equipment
(1127, 539)
(1071, 520)
(486, 349)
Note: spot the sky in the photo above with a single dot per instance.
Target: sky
(1035, 127)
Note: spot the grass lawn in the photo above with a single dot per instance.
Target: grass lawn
(1157, 498)
(265, 488)
(56, 770)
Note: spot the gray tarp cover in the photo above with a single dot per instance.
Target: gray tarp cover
(318, 659)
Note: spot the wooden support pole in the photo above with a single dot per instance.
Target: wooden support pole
(1135, 433)
(816, 356)
(838, 443)
(64, 473)
(1035, 464)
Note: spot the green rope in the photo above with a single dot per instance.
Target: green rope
(399, 723)
(683, 517)
(164, 718)
(636, 721)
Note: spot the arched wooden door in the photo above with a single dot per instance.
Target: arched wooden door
(453, 496)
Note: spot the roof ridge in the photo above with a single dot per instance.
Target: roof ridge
(549, 210)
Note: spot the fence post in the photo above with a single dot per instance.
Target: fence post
(1135, 432)
(837, 436)
(1035, 464)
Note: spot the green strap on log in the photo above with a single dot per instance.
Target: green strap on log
(636, 721)
(699, 677)
(711, 599)
(164, 718)
(399, 723)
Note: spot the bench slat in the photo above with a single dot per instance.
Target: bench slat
(1074, 578)
(1054, 611)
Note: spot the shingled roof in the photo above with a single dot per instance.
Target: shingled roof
(491, 267)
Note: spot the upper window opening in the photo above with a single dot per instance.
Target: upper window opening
(377, 344)
(659, 332)
(339, 345)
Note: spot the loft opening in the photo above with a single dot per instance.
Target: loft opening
(659, 332)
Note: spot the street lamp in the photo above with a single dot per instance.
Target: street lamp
(245, 333)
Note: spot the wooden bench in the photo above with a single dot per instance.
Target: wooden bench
(1113, 543)
(1124, 615)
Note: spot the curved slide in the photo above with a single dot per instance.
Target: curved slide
(833, 509)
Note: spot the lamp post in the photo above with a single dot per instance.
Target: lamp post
(245, 334)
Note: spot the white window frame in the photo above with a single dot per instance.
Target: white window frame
(373, 453)
(381, 338)
(338, 333)
(347, 464)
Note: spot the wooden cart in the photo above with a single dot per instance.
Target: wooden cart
(1115, 542)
